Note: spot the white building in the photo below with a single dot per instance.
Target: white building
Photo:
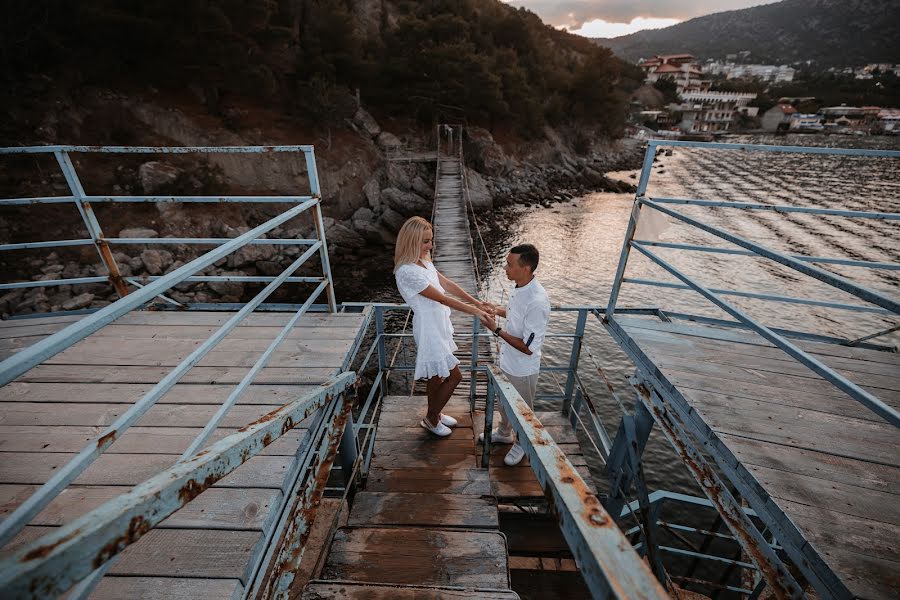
(706, 111)
(679, 68)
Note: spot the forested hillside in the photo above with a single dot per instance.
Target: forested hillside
(478, 60)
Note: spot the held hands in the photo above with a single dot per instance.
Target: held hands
(488, 321)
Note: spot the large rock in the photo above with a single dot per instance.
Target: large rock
(155, 176)
(138, 232)
(399, 176)
(479, 194)
(406, 203)
(372, 190)
(392, 220)
(388, 141)
(422, 188)
(226, 288)
(250, 254)
(79, 301)
(156, 261)
(366, 123)
(341, 235)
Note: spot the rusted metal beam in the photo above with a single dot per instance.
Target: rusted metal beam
(610, 566)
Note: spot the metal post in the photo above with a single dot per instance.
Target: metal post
(573, 365)
(316, 192)
(379, 339)
(640, 428)
(349, 450)
(624, 459)
(488, 423)
(476, 327)
(646, 170)
(90, 221)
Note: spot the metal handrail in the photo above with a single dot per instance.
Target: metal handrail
(607, 561)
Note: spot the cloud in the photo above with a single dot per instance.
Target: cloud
(573, 14)
(598, 28)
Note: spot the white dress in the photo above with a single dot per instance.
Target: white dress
(432, 329)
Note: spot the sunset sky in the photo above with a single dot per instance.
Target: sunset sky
(611, 18)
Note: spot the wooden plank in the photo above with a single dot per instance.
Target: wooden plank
(323, 590)
(218, 554)
(733, 350)
(665, 347)
(129, 393)
(207, 375)
(429, 480)
(797, 427)
(99, 415)
(744, 337)
(215, 508)
(813, 491)
(180, 318)
(136, 440)
(412, 461)
(423, 510)
(835, 402)
(165, 588)
(131, 469)
(418, 556)
(826, 466)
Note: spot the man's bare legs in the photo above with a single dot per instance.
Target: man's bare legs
(439, 392)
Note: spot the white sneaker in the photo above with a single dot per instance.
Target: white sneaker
(514, 456)
(439, 430)
(498, 438)
(448, 420)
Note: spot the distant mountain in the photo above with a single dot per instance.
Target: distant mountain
(831, 32)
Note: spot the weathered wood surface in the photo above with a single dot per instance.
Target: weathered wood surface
(423, 509)
(56, 409)
(828, 464)
(419, 556)
(324, 590)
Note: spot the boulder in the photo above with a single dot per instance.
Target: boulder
(226, 288)
(422, 188)
(362, 214)
(365, 122)
(372, 190)
(388, 141)
(406, 203)
(392, 219)
(156, 261)
(479, 194)
(250, 254)
(138, 232)
(155, 176)
(79, 301)
(268, 268)
(374, 233)
(341, 235)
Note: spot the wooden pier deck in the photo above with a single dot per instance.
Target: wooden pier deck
(51, 412)
(429, 521)
(823, 469)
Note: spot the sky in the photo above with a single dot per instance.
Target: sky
(612, 18)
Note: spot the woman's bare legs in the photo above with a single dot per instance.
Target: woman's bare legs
(439, 392)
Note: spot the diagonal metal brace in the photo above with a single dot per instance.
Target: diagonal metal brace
(776, 575)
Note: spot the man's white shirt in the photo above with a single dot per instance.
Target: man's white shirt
(526, 317)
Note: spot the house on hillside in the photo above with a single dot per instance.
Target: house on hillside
(679, 68)
(800, 122)
(710, 112)
(778, 118)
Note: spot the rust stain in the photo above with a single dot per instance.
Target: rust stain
(192, 488)
(593, 513)
(136, 529)
(263, 419)
(773, 576)
(287, 426)
(44, 551)
(109, 437)
(267, 439)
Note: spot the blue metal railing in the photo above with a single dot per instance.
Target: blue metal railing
(884, 304)
(83, 549)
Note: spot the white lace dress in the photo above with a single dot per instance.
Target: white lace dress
(432, 329)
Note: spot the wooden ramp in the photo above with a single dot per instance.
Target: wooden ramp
(51, 412)
(826, 468)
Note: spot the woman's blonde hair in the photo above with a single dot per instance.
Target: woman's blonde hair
(409, 241)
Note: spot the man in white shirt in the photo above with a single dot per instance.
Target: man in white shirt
(521, 340)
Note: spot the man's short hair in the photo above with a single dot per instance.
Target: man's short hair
(528, 255)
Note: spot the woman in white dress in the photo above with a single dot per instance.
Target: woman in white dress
(425, 290)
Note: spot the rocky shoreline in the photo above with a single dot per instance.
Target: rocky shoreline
(366, 200)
